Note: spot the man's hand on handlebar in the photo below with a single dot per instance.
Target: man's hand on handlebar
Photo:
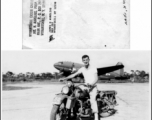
(88, 85)
(63, 79)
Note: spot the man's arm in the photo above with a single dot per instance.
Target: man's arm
(72, 76)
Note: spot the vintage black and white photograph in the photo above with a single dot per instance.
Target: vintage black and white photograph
(76, 85)
(76, 24)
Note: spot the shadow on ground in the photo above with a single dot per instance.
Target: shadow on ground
(7, 88)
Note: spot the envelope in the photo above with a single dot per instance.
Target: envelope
(76, 24)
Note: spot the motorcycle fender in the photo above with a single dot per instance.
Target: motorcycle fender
(59, 98)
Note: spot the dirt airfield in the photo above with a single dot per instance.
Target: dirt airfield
(35, 103)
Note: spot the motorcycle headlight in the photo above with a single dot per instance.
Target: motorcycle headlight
(69, 83)
(65, 90)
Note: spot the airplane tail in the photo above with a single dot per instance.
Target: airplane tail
(120, 72)
(119, 63)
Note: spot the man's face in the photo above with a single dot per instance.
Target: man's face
(86, 61)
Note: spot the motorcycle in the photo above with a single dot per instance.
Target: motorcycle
(73, 103)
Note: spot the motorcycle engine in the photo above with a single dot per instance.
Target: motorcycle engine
(85, 109)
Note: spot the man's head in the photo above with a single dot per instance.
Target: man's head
(85, 60)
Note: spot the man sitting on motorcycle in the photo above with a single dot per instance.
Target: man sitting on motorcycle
(90, 76)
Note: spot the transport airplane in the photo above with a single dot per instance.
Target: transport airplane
(105, 73)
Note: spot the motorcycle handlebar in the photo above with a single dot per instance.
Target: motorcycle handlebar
(82, 84)
(86, 85)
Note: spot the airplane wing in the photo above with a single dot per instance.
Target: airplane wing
(102, 71)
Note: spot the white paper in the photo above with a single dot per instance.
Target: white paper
(76, 24)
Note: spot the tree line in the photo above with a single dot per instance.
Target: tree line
(134, 76)
(137, 76)
(28, 76)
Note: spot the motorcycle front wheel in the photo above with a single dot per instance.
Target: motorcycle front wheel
(57, 113)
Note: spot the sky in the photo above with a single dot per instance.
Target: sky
(43, 61)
